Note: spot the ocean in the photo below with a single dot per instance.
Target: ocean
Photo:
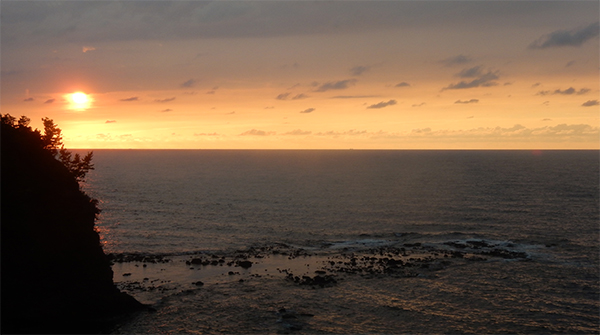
(353, 241)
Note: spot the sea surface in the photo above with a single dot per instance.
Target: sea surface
(332, 241)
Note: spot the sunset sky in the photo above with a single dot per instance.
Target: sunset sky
(306, 75)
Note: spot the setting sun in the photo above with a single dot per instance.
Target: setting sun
(79, 98)
(79, 101)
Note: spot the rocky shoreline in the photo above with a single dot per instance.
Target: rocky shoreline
(315, 268)
(456, 286)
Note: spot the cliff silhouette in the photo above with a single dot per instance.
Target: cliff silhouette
(55, 276)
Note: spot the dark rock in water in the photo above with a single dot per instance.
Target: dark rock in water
(198, 283)
(321, 281)
(48, 232)
(197, 261)
(245, 264)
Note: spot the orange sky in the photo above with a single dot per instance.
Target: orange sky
(294, 75)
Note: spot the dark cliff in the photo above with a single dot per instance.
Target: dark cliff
(55, 276)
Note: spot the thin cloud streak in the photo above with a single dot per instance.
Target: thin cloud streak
(308, 110)
(481, 79)
(472, 101)
(336, 85)
(189, 83)
(567, 38)
(382, 104)
(591, 103)
(568, 91)
(164, 100)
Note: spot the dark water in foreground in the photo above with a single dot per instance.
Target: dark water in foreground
(403, 241)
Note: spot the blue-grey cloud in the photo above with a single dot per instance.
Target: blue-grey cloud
(28, 99)
(571, 38)
(130, 99)
(283, 96)
(472, 101)
(336, 85)
(382, 104)
(300, 96)
(308, 110)
(49, 101)
(164, 100)
(189, 83)
(482, 79)
(591, 103)
(286, 96)
(568, 91)
(456, 60)
(358, 70)
(166, 110)
(470, 72)
(402, 84)
(419, 105)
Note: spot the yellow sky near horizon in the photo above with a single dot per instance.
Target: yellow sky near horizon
(513, 76)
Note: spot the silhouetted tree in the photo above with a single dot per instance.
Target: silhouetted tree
(52, 136)
(52, 141)
(24, 122)
(78, 166)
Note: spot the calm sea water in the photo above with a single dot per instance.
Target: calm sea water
(176, 201)
(188, 202)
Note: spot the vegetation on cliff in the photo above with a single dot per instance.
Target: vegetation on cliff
(55, 275)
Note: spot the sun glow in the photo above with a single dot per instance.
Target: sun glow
(79, 97)
(79, 101)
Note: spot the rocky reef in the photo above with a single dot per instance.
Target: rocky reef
(55, 275)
